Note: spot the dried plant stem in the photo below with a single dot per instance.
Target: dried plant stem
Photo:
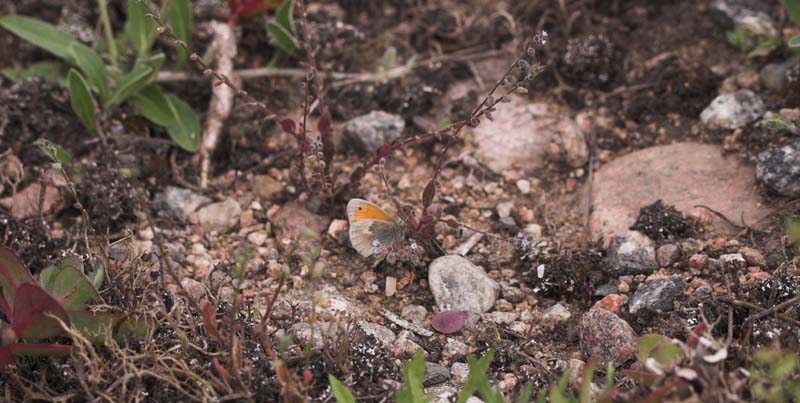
(221, 104)
(166, 30)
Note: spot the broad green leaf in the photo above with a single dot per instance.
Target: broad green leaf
(72, 288)
(13, 274)
(340, 392)
(794, 41)
(61, 155)
(284, 15)
(793, 9)
(284, 39)
(179, 15)
(80, 97)
(48, 70)
(91, 65)
(95, 326)
(185, 131)
(139, 29)
(152, 103)
(33, 311)
(41, 34)
(130, 84)
(411, 391)
(9, 351)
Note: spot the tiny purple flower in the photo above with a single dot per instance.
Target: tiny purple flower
(376, 243)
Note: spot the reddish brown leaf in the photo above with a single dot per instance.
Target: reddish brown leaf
(287, 125)
(383, 150)
(449, 321)
(326, 136)
(210, 321)
(9, 351)
(220, 369)
(428, 193)
(13, 273)
(32, 309)
(249, 8)
(694, 336)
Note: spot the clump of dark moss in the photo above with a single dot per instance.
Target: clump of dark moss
(567, 276)
(107, 195)
(591, 61)
(661, 221)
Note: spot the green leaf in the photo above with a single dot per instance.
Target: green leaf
(185, 131)
(152, 103)
(80, 97)
(41, 34)
(98, 277)
(72, 288)
(171, 113)
(792, 228)
(95, 326)
(794, 41)
(525, 393)
(179, 15)
(48, 70)
(284, 15)
(130, 84)
(413, 373)
(139, 29)
(793, 9)
(476, 379)
(91, 65)
(284, 39)
(585, 393)
(340, 392)
(13, 274)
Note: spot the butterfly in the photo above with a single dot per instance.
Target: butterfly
(372, 229)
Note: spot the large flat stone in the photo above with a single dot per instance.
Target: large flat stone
(684, 175)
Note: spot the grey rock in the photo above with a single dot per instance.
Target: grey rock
(657, 295)
(775, 75)
(441, 394)
(435, 374)
(606, 289)
(382, 333)
(778, 169)
(556, 313)
(503, 318)
(606, 336)
(182, 202)
(631, 254)
(368, 132)
(220, 217)
(511, 293)
(667, 254)
(459, 371)
(455, 349)
(738, 13)
(414, 313)
(457, 284)
(733, 110)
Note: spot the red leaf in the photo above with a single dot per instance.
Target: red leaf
(248, 8)
(384, 149)
(449, 321)
(287, 125)
(326, 136)
(220, 369)
(32, 308)
(8, 351)
(210, 321)
(13, 274)
(428, 193)
(694, 337)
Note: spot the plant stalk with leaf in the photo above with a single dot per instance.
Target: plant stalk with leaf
(100, 79)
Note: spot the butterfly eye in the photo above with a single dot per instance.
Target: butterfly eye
(360, 208)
